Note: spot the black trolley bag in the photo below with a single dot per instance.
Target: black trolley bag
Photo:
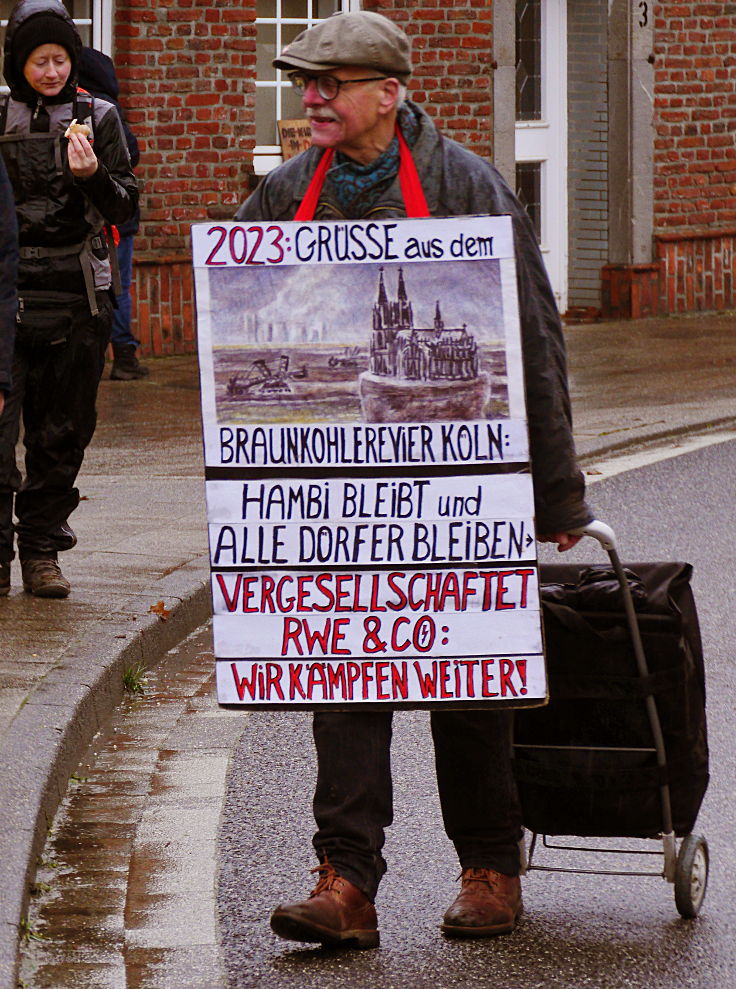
(621, 749)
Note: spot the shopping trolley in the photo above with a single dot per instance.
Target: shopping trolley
(621, 749)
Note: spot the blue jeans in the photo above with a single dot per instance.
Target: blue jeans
(122, 335)
(353, 801)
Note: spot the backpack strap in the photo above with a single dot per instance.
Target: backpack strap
(83, 109)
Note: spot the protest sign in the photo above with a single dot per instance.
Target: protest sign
(369, 500)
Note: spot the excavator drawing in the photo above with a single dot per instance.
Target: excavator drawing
(264, 379)
(351, 357)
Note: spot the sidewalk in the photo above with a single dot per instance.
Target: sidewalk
(142, 540)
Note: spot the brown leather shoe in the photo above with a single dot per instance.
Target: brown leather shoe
(336, 913)
(489, 903)
(44, 579)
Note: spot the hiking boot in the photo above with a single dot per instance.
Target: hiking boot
(4, 579)
(44, 579)
(125, 365)
(336, 913)
(489, 903)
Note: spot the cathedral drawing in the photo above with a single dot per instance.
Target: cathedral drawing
(401, 350)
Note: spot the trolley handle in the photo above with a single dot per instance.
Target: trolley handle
(605, 535)
(600, 531)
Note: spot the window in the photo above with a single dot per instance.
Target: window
(529, 191)
(277, 23)
(528, 60)
(92, 17)
(529, 102)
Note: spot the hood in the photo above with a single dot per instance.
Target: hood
(97, 74)
(21, 13)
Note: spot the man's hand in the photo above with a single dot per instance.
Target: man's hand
(82, 159)
(564, 540)
(2, 402)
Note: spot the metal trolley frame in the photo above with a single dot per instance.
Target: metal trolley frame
(685, 863)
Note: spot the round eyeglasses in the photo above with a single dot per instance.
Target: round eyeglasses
(328, 87)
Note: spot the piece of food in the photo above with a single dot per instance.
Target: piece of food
(75, 128)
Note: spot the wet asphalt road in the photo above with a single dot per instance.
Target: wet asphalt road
(578, 931)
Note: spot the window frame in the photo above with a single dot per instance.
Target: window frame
(267, 156)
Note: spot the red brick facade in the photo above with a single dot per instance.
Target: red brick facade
(695, 110)
(186, 73)
(697, 271)
(451, 45)
(186, 70)
(695, 155)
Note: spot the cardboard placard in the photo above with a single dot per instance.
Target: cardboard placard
(369, 500)
(294, 136)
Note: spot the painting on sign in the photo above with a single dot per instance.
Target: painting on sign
(370, 506)
(377, 342)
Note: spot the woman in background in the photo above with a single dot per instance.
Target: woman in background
(67, 187)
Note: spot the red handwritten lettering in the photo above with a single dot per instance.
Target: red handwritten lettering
(231, 603)
(502, 590)
(273, 680)
(487, 678)
(317, 678)
(506, 671)
(427, 681)
(295, 686)
(399, 683)
(243, 683)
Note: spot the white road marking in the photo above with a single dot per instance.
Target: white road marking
(603, 469)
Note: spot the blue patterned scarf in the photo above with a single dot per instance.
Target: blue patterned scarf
(357, 187)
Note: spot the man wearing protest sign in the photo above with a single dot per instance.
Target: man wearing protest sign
(375, 154)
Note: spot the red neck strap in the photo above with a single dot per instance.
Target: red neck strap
(308, 205)
(411, 187)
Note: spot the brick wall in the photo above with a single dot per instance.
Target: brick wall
(697, 271)
(186, 69)
(451, 44)
(695, 155)
(587, 176)
(695, 114)
(186, 72)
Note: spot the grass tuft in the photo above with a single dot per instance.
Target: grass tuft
(135, 679)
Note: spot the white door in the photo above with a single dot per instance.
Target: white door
(541, 129)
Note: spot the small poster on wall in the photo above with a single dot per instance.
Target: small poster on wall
(369, 498)
(294, 136)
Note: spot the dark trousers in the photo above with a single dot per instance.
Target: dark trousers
(55, 391)
(353, 802)
(122, 334)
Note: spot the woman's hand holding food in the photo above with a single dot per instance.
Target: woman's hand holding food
(82, 159)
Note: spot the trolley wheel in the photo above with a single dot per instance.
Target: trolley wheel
(691, 875)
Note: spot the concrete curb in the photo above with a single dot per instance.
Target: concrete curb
(61, 718)
(602, 450)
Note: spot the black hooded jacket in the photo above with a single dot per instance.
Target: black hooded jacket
(54, 208)
(97, 76)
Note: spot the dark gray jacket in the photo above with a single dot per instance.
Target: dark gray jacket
(457, 182)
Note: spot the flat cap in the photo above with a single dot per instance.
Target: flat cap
(358, 38)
